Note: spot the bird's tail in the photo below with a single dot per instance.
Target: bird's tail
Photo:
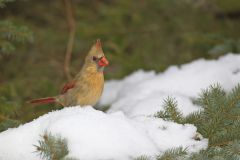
(43, 100)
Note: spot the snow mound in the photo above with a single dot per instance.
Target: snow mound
(92, 134)
(142, 93)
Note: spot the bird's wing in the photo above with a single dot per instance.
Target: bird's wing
(68, 86)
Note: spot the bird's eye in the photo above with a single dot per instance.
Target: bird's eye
(94, 58)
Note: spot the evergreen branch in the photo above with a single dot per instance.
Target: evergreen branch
(218, 121)
(52, 147)
(195, 118)
(143, 157)
(8, 107)
(173, 154)
(6, 46)
(170, 111)
(12, 32)
(233, 150)
(8, 123)
(234, 97)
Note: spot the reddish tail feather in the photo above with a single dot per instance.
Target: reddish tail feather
(43, 100)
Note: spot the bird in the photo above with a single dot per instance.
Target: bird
(87, 86)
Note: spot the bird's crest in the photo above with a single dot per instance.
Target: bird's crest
(98, 45)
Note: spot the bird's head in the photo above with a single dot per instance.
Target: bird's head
(96, 57)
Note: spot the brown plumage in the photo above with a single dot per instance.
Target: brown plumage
(86, 88)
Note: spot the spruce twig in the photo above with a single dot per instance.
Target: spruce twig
(52, 147)
(173, 154)
(170, 111)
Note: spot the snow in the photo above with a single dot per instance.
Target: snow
(142, 93)
(92, 134)
(128, 129)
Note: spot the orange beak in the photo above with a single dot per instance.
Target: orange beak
(103, 62)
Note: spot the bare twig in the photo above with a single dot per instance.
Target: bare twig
(72, 30)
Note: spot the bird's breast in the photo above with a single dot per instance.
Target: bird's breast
(91, 87)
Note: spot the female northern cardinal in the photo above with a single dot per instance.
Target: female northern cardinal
(86, 88)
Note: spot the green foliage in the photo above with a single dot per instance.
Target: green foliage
(228, 45)
(218, 120)
(143, 157)
(6, 123)
(173, 154)
(52, 147)
(8, 108)
(170, 111)
(10, 33)
(170, 154)
(228, 152)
